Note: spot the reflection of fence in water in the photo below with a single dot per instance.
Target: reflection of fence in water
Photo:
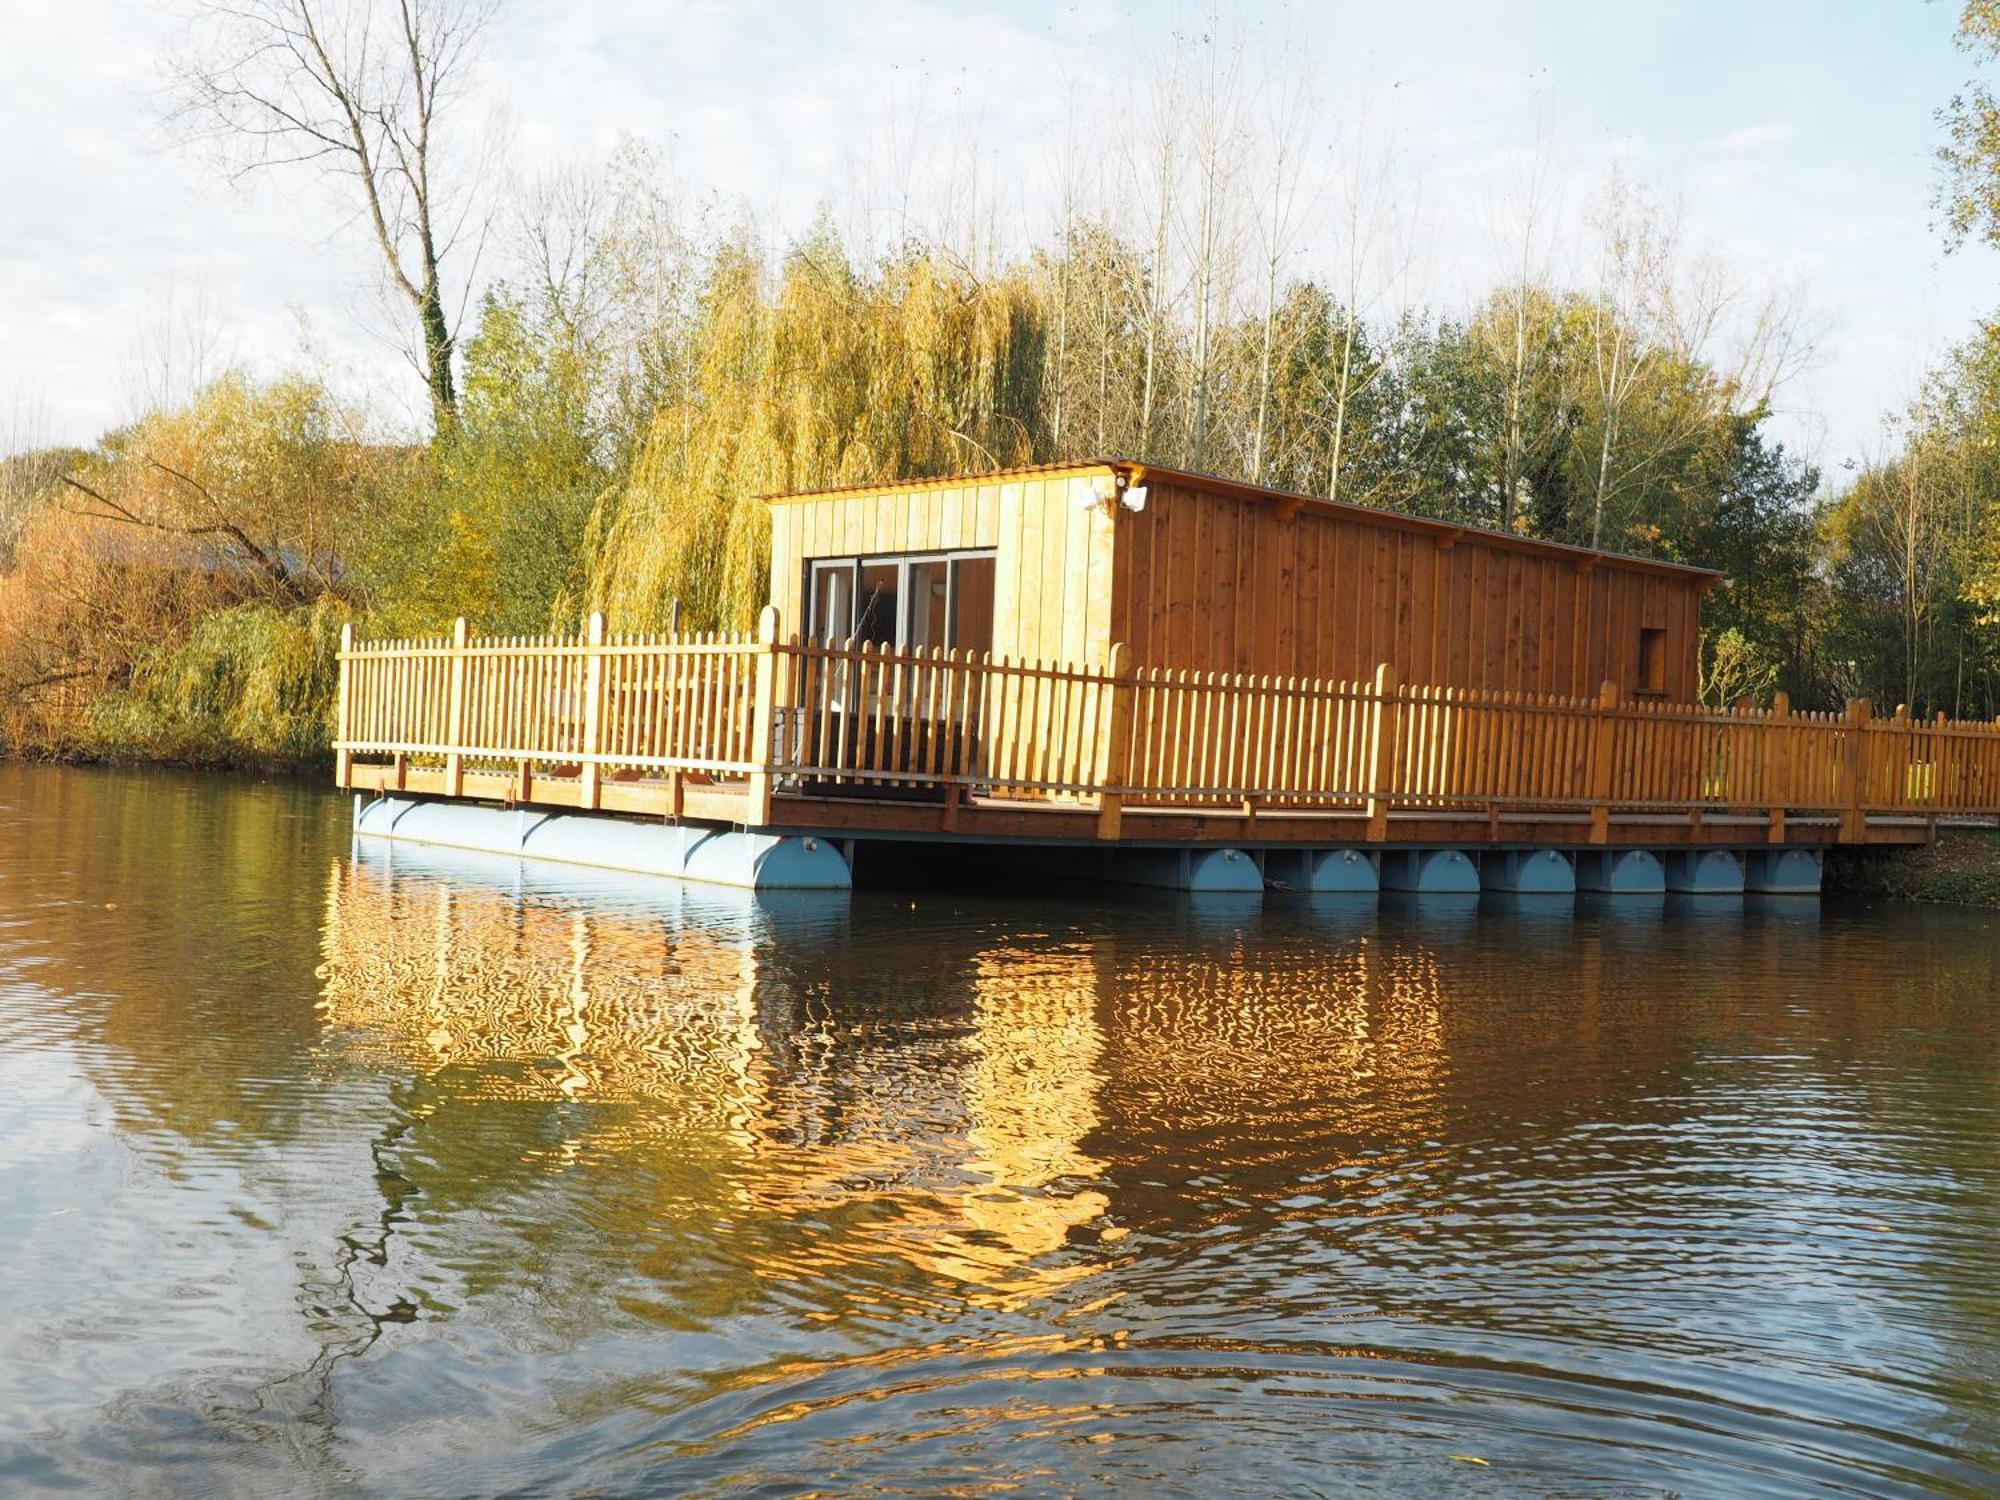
(541, 1000)
(1032, 1095)
(1203, 1029)
(975, 1132)
(976, 1144)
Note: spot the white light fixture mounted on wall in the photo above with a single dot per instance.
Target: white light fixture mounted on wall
(1123, 486)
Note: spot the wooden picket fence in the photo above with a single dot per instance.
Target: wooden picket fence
(786, 718)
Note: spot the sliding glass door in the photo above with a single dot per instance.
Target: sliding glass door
(896, 717)
(912, 602)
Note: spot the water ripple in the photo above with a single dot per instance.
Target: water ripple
(338, 1174)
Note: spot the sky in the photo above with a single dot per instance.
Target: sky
(1794, 142)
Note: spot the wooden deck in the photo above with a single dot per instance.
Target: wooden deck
(771, 733)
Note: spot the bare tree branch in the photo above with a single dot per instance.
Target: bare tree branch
(271, 566)
(289, 83)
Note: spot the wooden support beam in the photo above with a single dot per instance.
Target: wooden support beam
(1603, 743)
(593, 710)
(1382, 752)
(1113, 757)
(763, 720)
(1780, 760)
(1854, 774)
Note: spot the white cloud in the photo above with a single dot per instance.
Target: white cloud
(786, 106)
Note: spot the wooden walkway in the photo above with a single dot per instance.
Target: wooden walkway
(771, 733)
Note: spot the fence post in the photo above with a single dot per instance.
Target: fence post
(1114, 746)
(1602, 745)
(1382, 757)
(763, 719)
(1903, 756)
(343, 758)
(1943, 753)
(593, 709)
(1781, 772)
(454, 762)
(1853, 773)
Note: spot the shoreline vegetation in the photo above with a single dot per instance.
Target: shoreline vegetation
(638, 365)
(1961, 869)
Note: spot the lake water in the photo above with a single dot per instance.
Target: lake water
(334, 1175)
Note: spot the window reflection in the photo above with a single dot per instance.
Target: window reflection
(929, 596)
(875, 612)
(972, 604)
(833, 602)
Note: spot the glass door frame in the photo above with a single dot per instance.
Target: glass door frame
(902, 562)
(850, 706)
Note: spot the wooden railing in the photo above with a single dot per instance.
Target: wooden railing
(642, 702)
(782, 717)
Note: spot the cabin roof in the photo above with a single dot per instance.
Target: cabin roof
(1144, 473)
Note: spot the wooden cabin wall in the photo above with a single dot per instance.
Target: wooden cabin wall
(1221, 583)
(1052, 569)
(1053, 584)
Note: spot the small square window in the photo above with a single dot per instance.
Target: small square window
(1652, 661)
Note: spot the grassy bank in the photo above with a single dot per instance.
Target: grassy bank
(184, 757)
(1962, 868)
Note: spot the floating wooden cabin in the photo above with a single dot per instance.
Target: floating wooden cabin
(1195, 572)
(1206, 684)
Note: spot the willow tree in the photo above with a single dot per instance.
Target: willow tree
(837, 374)
(178, 590)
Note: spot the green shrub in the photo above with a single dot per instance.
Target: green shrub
(250, 685)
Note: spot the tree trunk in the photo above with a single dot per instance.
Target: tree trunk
(1203, 326)
(1264, 374)
(437, 355)
(1155, 298)
(1512, 460)
(1343, 393)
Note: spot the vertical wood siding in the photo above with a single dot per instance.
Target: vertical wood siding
(1228, 584)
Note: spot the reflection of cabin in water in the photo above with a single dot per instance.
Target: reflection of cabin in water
(1195, 572)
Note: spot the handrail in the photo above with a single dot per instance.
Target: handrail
(795, 718)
